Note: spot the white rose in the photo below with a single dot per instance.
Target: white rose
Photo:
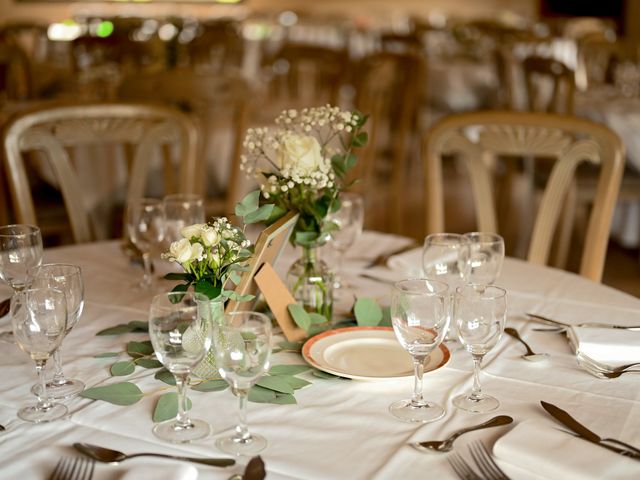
(181, 250)
(301, 153)
(209, 237)
(197, 252)
(192, 230)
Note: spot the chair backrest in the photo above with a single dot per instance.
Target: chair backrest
(219, 102)
(55, 129)
(550, 85)
(480, 138)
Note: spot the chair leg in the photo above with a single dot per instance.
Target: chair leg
(560, 256)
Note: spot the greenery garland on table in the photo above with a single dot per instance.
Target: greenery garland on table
(278, 386)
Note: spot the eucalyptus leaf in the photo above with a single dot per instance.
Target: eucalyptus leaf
(131, 327)
(260, 215)
(165, 376)
(124, 393)
(386, 317)
(177, 276)
(121, 369)
(139, 349)
(106, 355)
(276, 214)
(277, 383)
(360, 140)
(139, 326)
(248, 204)
(367, 312)
(317, 319)
(288, 369)
(211, 386)
(300, 316)
(284, 399)
(295, 382)
(291, 346)
(325, 375)
(258, 394)
(306, 238)
(148, 363)
(316, 329)
(234, 277)
(167, 407)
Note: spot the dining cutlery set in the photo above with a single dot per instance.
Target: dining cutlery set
(483, 461)
(562, 326)
(73, 468)
(530, 355)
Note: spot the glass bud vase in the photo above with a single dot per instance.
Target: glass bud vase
(311, 282)
(213, 311)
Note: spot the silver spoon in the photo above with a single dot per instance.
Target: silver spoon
(447, 445)
(114, 456)
(530, 355)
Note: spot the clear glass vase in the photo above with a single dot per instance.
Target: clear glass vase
(213, 311)
(310, 281)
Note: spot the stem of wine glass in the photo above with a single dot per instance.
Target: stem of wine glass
(242, 430)
(418, 370)
(146, 262)
(58, 376)
(476, 391)
(182, 418)
(41, 393)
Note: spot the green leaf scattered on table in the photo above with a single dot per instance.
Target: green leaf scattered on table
(211, 386)
(325, 375)
(107, 355)
(124, 393)
(134, 326)
(139, 349)
(300, 316)
(258, 394)
(295, 382)
(288, 369)
(165, 376)
(295, 347)
(276, 383)
(167, 407)
(367, 312)
(386, 317)
(121, 369)
(148, 363)
(284, 399)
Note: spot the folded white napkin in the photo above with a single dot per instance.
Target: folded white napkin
(608, 346)
(546, 452)
(166, 471)
(408, 263)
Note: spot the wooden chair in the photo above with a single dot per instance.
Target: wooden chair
(548, 76)
(219, 103)
(54, 130)
(481, 137)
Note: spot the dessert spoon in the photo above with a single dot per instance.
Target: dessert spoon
(530, 355)
(114, 456)
(447, 445)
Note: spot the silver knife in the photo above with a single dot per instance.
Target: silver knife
(550, 321)
(568, 421)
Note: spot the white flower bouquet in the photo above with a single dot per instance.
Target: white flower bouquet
(210, 254)
(300, 165)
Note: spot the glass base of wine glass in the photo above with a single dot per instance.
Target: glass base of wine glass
(421, 413)
(476, 404)
(171, 431)
(60, 391)
(41, 415)
(236, 446)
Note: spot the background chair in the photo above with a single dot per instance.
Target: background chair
(56, 131)
(482, 138)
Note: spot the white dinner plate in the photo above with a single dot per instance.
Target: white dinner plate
(366, 353)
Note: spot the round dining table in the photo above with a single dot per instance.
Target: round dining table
(338, 428)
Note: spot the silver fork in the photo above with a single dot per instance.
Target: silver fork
(462, 468)
(482, 459)
(73, 468)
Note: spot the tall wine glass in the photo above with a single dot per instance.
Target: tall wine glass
(479, 312)
(181, 210)
(68, 279)
(486, 254)
(243, 353)
(445, 257)
(20, 250)
(349, 218)
(420, 320)
(145, 223)
(39, 318)
(181, 336)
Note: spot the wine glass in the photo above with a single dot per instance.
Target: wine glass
(68, 279)
(486, 254)
(20, 250)
(181, 336)
(349, 219)
(420, 320)
(243, 352)
(39, 318)
(445, 257)
(479, 313)
(181, 210)
(145, 223)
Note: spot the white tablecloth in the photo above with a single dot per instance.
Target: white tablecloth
(338, 429)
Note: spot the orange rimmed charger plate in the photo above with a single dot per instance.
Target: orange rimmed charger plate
(366, 353)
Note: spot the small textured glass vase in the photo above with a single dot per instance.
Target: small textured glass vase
(311, 282)
(214, 312)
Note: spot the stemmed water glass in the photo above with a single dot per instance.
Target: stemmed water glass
(420, 320)
(243, 353)
(181, 210)
(349, 218)
(180, 331)
(20, 250)
(479, 313)
(146, 226)
(486, 254)
(68, 279)
(39, 318)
